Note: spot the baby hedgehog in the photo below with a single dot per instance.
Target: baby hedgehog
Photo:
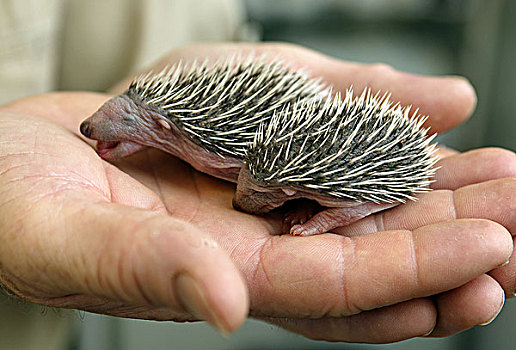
(278, 134)
(206, 116)
(355, 157)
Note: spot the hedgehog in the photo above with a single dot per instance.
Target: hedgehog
(353, 157)
(205, 115)
(282, 136)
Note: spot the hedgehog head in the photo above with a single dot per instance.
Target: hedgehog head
(218, 107)
(124, 125)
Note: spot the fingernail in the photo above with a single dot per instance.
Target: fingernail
(496, 314)
(429, 332)
(504, 263)
(193, 299)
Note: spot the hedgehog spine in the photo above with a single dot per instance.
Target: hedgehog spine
(362, 148)
(201, 100)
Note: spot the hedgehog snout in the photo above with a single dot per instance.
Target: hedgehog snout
(249, 204)
(86, 128)
(257, 202)
(245, 199)
(99, 128)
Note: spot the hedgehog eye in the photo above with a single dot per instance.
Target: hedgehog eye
(127, 118)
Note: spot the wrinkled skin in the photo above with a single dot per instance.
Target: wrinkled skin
(148, 237)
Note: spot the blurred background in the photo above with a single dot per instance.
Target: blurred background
(472, 38)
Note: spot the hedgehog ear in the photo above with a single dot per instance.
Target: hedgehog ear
(288, 191)
(164, 123)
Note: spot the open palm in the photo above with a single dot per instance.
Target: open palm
(149, 237)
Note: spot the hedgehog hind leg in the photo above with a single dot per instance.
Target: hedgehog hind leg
(331, 218)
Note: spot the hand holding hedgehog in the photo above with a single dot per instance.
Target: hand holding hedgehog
(110, 238)
(277, 133)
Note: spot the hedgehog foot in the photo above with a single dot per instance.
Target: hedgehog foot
(298, 212)
(331, 218)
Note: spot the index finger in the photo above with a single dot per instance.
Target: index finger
(330, 275)
(447, 100)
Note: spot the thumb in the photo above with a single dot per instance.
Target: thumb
(135, 258)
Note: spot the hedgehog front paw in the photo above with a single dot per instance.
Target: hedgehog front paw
(315, 225)
(297, 213)
(331, 218)
(302, 230)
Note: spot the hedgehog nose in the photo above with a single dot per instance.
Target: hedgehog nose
(86, 128)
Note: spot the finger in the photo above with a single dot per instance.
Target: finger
(448, 101)
(493, 200)
(129, 256)
(478, 302)
(349, 275)
(60, 237)
(474, 167)
(398, 322)
(444, 152)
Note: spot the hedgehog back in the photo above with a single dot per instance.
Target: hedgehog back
(220, 107)
(361, 149)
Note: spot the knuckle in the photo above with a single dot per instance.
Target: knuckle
(117, 266)
(415, 272)
(347, 303)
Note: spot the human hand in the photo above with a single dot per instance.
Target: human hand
(448, 101)
(287, 277)
(476, 184)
